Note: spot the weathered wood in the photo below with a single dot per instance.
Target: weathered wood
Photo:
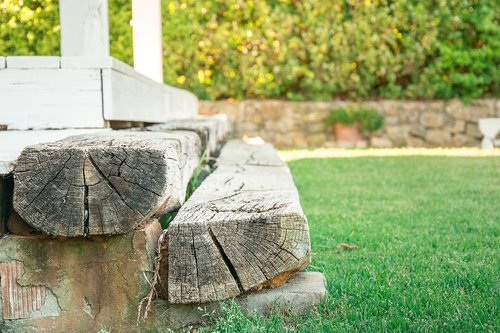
(211, 130)
(242, 228)
(18, 140)
(103, 184)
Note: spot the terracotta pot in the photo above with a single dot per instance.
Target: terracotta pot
(347, 133)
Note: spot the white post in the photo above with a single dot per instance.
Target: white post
(147, 38)
(84, 28)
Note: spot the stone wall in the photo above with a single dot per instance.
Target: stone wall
(407, 123)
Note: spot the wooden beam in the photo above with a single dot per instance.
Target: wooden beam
(84, 28)
(147, 38)
(103, 184)
(243, 229)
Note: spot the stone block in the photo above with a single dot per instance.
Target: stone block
(298, 295)
(438, 137)
(417, 130)
(459, 140)
(456, 109)
(316, 140)
(75, 284)
(380, 142)
(456, 126)
(314, 128)
(431, 119)
(391, 120)
(415, 142)
(472, 132)
(398, 134)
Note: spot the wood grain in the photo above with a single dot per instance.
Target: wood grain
(241, 228)
(102, 184)
(211, 130)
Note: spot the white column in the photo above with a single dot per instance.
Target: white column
(147, 38)
(84, 28)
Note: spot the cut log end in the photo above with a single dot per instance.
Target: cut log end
(243, 229)
(103, 185)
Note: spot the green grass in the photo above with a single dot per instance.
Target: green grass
(427, 231)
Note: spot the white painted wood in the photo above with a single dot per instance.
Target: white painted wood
(129, 98)
(84, 27)
(13, 142)
(3, 62)
(38, 62)
(50, 98)
(147, 38)
(84, 92)
(183, 104)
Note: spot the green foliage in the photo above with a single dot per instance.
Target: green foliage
(300, 50)
(369, 120)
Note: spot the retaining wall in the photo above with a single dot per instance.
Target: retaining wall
(407, 123)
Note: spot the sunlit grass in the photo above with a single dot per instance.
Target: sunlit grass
(427, 230)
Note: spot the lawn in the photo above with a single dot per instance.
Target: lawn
(427, 230)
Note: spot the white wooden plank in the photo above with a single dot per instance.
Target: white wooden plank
(50, 98)
(17, 140)
(183, 104)
(147, 38)
(98, 63)
(27, 62)
(3, 62)
(132, 98)
(84, 27)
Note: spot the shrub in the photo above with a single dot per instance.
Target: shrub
(300, 50)
(369, 120)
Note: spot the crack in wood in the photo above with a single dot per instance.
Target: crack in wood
(91, 160)
(86, 213)
(226, 260)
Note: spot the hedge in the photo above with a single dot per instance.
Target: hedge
(312, 49)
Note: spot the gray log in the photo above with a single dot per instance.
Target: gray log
(211, 130)
(241, 230)
(103, 184)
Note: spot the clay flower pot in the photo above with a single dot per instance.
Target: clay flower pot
(347, 133)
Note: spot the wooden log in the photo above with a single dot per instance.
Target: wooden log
(241, 230)
(211, 130)
(102, 184)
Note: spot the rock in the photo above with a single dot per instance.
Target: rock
(361, 144)
(319, 127)
(456, 126)
(316, 140)
(380, 142)
(456, 109)
(459, 140)
(417, 130)
(416, 142)
(391, 120)
(398, 134)
(297, 296)
(75, 284)
(472, 132)
(432, 120)
(438, 137)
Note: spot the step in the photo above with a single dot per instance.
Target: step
(243, 229)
